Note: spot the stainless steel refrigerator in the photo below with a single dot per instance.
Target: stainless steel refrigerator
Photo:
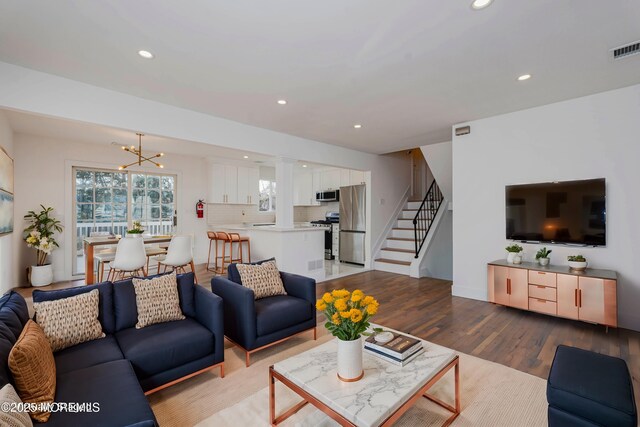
(352, 223)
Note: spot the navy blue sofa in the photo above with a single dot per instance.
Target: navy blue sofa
(119, 370)
(256, 324)
(587, 389)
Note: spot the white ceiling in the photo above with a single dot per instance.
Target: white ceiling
(66, 130)
(406, 69)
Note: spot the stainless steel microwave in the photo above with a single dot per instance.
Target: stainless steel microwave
(328, 196)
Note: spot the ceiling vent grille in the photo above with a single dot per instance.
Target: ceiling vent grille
(626, 50)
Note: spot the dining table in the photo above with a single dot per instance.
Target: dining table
(90, 243)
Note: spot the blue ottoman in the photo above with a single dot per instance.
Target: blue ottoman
(589, 389)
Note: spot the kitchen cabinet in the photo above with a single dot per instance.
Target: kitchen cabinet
(248, 185)
(345, 177)
(233, 184)
(510, 287)
(356, 177)
(316, 186)
(330, 179)
(303, 194)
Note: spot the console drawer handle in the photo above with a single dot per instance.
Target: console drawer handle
(540, 287)
(541, 300)
(541, 272)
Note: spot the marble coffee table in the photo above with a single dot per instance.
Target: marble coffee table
(379, 399)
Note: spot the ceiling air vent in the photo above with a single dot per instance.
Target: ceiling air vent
(626, 50)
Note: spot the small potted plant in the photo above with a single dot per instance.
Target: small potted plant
(542, 256)
(39, 235)
(513, 250)
(136, 230)
(577, 262)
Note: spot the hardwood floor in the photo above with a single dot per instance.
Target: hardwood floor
(424, 307)
(520, 339)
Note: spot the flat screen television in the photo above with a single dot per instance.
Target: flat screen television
(571, 212)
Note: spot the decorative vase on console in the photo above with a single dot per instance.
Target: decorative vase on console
(348, 317)
(513, 251)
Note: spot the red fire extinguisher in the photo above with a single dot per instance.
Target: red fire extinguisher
(200, 209)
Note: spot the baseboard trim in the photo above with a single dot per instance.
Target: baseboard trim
(472, 293)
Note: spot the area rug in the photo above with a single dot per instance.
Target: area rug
(491, 395)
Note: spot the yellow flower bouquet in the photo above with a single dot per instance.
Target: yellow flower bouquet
(348, 313)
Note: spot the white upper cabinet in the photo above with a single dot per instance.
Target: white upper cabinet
(217, 184)
(316, 187)
(330, 179)
(233, 184)
(356, 177)
(248, 185)
(303, 194)
(345, 177)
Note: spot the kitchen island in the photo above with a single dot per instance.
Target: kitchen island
(298, 250)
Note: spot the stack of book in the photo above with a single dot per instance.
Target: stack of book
(400, 350)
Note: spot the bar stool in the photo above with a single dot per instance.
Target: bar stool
(229, 238)
(213, 239)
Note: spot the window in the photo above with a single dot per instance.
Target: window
(152, 202)
(267, 196)
(108, 201)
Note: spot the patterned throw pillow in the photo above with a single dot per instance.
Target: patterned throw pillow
(12, 417)
(264, 279)
(70, 321)
(33, 368)
(157, 300)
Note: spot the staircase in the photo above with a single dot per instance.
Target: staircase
(405, 240)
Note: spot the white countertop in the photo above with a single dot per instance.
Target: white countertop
(297, 226)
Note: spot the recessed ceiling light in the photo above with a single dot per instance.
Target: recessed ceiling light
(245, 157)
(524, 77)
(304, 166)
(145, 54)
(480, 4)
(282, 101)
(357, 126)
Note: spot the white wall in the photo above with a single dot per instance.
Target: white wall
(24, 89)
(43, 176)
(439, 159)
(590, 137)
(438, 261)
(6, 241)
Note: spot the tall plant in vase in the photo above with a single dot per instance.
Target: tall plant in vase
(348, 317)
(39, 234)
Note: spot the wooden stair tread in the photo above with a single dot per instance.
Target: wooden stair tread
(393, 261)
(406, 251)
(404, 239)
(398, 228)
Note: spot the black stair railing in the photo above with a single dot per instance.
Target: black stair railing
(426, 214)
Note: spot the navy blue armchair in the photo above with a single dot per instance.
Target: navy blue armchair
(256, 324)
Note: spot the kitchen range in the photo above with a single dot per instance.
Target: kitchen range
(331, 235)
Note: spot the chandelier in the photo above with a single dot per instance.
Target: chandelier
(138, 153)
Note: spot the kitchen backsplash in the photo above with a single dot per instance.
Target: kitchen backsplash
(234, 214)
(312, 213)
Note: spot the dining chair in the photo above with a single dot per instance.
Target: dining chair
(130, 258)
(179, 255)
(102, 256)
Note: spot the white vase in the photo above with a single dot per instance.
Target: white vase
(543, 261)
(350, 360)
(511, 256)
(41, 275)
